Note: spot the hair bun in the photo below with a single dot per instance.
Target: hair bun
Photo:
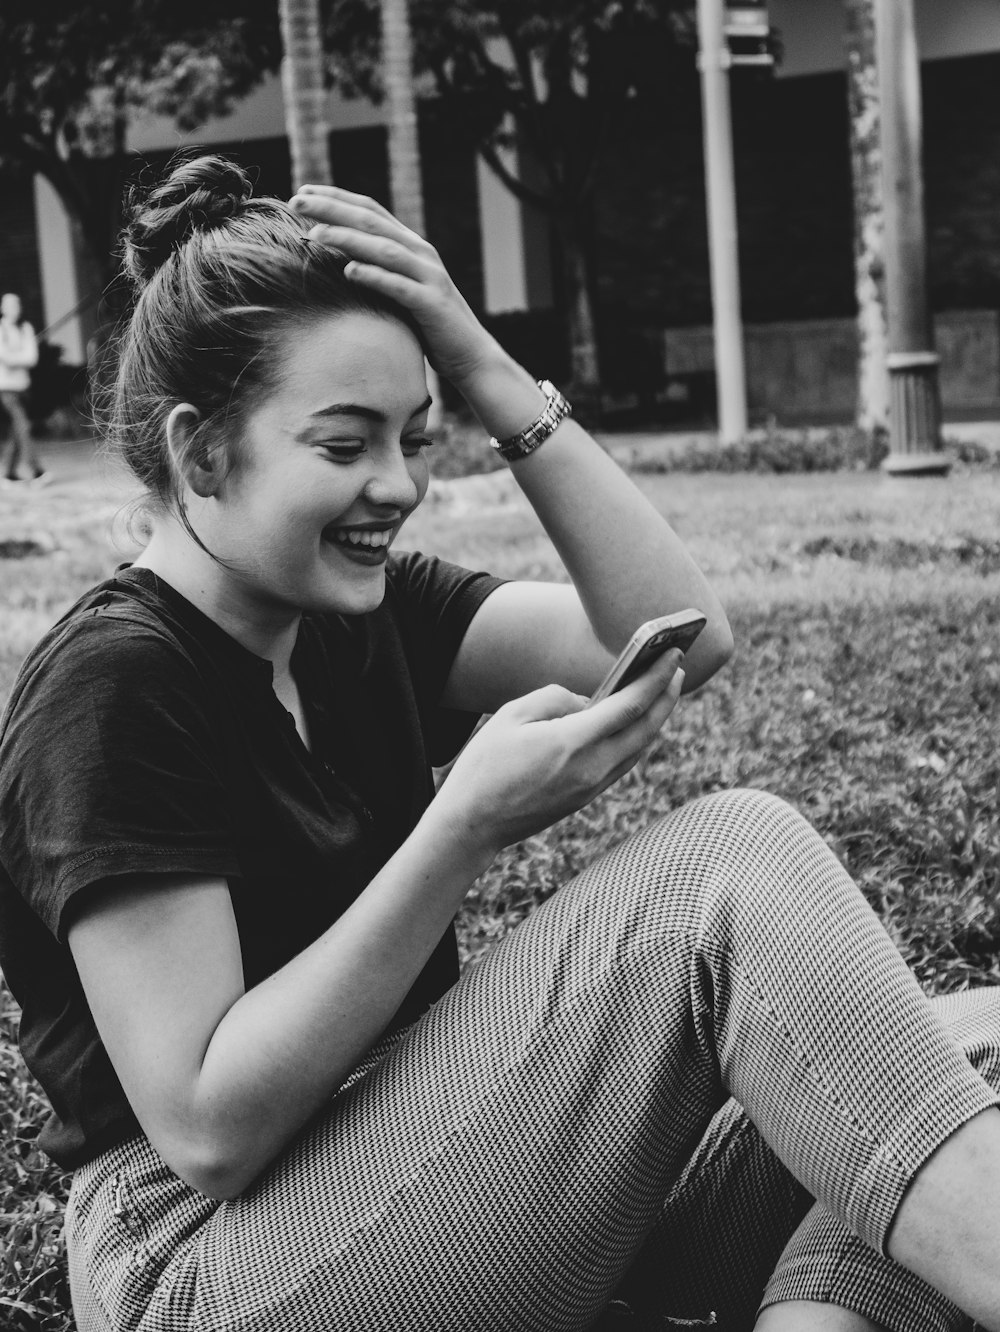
(197, 195)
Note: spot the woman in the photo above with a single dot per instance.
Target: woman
(227, 894)
(18, 355)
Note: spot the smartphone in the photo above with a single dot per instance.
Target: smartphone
(648, 642)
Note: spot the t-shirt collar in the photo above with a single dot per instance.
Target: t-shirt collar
(196, 620)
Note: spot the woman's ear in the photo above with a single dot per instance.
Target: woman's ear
(192, 457)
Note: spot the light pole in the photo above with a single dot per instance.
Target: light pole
(714, 62)
(915, 406)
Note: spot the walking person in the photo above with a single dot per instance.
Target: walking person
(18, 356)
(698, 1080)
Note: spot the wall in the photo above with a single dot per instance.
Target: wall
(807, 370)
(794, 206)
(812, 32)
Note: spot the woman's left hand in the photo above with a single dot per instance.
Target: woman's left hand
(389, 258)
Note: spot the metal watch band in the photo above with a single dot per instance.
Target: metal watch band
(527, 440)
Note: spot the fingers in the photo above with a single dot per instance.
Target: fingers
(630, 705)
(545, 704)
(336, 194)
(375, 251)
(620, 751)
(339, 208)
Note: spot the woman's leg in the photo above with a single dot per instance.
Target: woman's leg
(502, 1164)
(824, 1262)
(726, 1232)
(719, 1234)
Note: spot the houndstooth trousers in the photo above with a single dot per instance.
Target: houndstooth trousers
(638, 1095)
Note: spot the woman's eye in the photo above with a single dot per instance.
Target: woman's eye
(342, 450)
(414, 444)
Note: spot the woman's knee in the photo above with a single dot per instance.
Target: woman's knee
(739, 850)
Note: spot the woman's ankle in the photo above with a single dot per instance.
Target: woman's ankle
(811, 1316)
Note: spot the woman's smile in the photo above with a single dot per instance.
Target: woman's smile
(365, 543)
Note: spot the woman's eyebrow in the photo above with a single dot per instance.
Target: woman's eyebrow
(365, 413)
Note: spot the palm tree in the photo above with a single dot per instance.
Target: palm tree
(869, 220)
(404, 147)
(304, 87)
(405, 185)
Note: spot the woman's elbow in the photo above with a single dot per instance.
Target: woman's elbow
(216, 1167)
(215, 1176)
(714, 648)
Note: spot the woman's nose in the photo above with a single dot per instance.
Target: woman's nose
(392, 485)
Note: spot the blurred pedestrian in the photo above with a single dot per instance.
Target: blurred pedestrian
(18, 355)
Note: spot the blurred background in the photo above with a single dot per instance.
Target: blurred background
(560, 171)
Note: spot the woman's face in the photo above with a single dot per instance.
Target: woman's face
(327, 469)
(10, 306)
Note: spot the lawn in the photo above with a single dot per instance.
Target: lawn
(865, 689)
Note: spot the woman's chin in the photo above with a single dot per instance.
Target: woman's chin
(348, 596)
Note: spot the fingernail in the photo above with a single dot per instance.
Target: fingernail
(679, 675)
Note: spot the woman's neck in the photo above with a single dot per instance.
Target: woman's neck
(268, 632)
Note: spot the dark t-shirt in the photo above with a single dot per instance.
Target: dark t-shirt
(140, 737)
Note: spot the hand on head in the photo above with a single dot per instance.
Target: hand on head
(389, 258)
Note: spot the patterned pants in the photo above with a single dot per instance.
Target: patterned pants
(637, 1095)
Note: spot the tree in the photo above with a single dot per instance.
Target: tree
(553, 79)
(405, 182)
(71, 71)
(869, 219)
(304, 87)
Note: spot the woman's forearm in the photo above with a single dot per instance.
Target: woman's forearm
(626, 562)
(285, 1046)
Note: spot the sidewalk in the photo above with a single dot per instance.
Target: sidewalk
(79, 463)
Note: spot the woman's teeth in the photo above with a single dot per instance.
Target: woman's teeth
(375, 540)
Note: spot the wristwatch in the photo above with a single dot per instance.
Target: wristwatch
(527, 440)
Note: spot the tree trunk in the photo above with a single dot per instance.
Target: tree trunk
(405, 182)
(304, 88)
(404, 147)
(585, 373)
(869, 219)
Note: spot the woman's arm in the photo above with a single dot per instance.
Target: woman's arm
(221, 1078)
(625, 562)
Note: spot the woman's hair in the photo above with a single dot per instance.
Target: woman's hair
(218, 277)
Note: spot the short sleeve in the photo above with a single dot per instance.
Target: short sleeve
(109, 766)
(435, 603)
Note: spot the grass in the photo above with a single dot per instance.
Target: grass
(865, 689)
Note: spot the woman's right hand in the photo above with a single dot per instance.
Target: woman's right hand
(549, 753)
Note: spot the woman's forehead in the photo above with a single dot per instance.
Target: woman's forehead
(371, 359)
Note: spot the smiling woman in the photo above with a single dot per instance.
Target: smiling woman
(227, 884)
(316, 489)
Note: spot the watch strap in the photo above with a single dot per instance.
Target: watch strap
(526, 441)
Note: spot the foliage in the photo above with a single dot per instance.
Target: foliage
(781, 450)
(71, 70)
(560, 71)
(553, 79)
(34, 1293)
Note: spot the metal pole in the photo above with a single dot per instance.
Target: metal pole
(720, 191)
(915, 406)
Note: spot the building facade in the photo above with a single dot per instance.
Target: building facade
(649, 246)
